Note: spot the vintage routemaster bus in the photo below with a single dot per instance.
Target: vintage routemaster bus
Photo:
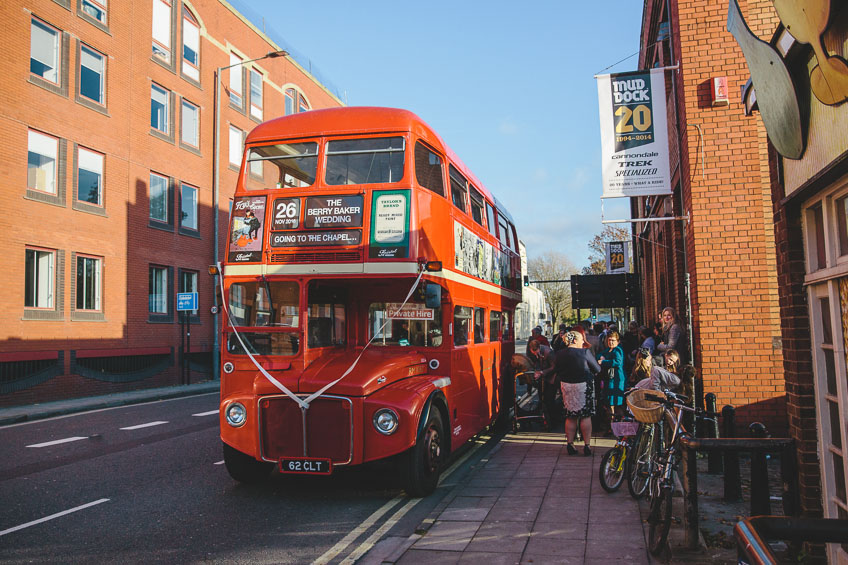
(369, 288)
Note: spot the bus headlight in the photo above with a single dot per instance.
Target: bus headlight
(228, 367)
(236, 414)
(386, 421)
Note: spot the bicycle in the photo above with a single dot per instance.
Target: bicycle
(640, 461)
(665, 463)
(614, 463)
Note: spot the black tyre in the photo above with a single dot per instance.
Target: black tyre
(659, 521)
(639, 464)
(422, 464)
(244, 468)
(611, 472)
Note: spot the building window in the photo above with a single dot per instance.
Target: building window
(236, 80)
(162, 29)
(39, 278)
(188, 283)
(256, 94)
(295, 101)
(92, 75)
(158, 198)
(236, 146)
(88, 283)
(94, 9)
(44, 51)
(191, 46)
(158, 290)
(159, 102)
(842, 224)
(42, 159)
(188, 207)
(89, 177)
(189, 124)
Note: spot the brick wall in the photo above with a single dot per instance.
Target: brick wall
(119, 233)
(730, 245)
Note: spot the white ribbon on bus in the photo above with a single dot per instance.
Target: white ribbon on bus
(305, 402)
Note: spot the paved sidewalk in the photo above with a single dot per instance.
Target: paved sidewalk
(27, 413)
(529, 502)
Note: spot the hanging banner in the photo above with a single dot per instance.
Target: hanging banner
(617, 260)
(634, 134)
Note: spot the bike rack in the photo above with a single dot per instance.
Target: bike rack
(753, 534)
(758, 447)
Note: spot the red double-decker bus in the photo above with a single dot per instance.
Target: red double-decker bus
(369, 288)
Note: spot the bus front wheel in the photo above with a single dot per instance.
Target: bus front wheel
(422, 464)
(244, 468)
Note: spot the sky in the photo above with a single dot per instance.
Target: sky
(508, 86)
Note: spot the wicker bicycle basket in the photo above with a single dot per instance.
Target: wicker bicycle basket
(644, 410)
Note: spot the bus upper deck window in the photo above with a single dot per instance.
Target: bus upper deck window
(459, 186)
(365, 161)
(428, 169)
(476, 206)
(490, 216)
(290, 165)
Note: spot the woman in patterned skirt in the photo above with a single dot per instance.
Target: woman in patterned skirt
(575, 367)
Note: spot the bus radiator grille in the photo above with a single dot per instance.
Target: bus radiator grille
(306, 257)
(329, 421)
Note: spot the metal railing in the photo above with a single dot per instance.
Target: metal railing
(753, 534)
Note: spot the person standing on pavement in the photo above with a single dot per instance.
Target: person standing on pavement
(612, 360)
(575, 368)
(542, 358)
(559, 339)
(536, 334)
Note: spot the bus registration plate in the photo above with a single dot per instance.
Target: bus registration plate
(306, 466)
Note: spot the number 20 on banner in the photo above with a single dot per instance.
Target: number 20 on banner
(627, 119)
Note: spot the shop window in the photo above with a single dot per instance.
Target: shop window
(428, 169)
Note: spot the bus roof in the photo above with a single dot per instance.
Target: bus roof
(354, 120)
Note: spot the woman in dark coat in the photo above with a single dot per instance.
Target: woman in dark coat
(575, 368)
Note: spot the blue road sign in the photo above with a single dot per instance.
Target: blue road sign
(186, 301)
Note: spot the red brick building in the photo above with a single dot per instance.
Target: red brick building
(806, 115)
(107, 145)
(720, 177)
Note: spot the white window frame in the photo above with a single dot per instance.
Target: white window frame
(43, 279)
(161, 32)
(97, 263)
(192, 129)
(85, 50)
(92, 162)
(191, 41)
(193, 277)
(157, 297)
(47, 146)
(38, 51)
(236, 80)
(165, 181)
(256, 99)
(188, 198)
(236, 146)
(166, 108)
(823, 282)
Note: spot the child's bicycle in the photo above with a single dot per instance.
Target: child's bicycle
(614, 462)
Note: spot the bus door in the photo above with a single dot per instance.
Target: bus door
(463, 378)
(482, 358)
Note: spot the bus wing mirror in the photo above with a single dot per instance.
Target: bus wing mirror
(432, 295)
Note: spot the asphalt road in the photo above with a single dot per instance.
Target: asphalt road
(147, 484)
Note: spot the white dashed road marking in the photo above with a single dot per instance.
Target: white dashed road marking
(147, 425)
(57, 441)
(206, 413)
(52, 516)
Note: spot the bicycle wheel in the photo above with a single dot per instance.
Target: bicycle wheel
(640, 461)
(659, 521)
(611, 471)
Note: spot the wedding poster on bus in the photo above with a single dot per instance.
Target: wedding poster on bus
(246, 236)
(389, 224)
(634, 134)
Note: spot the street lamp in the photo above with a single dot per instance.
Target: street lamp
(216, 348)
